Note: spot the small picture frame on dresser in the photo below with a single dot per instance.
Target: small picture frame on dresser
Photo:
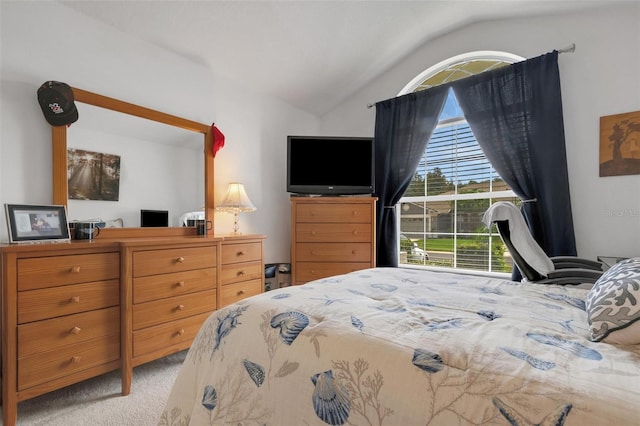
(37, 223)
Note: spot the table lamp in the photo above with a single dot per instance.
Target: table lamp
(235, 201)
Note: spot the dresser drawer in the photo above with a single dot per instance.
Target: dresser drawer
(35, 305)
(309, 271)
(174, 308)
(241, 252)
(241, 272)
(54, 334)
(333, 232)
(54, 364)
(153, 262)
(44, 272)
(162, 336)
(155, 287)
(333, 252)
(234, 292)
(328, 212)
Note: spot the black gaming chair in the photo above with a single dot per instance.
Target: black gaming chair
(529, 257)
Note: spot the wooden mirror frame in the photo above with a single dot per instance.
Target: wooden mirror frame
(59, 154)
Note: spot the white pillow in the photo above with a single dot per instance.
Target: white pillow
(613, 304)
(114, 223)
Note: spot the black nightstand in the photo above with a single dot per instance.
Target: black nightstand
(609, 261)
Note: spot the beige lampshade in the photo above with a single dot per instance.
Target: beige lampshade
(236, 200)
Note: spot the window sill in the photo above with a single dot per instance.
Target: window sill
(499, 275)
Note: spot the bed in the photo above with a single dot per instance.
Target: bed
(399, 346)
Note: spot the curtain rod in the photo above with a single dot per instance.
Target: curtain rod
(569, 49)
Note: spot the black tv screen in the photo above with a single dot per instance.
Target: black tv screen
(154, 218)
(329, 165)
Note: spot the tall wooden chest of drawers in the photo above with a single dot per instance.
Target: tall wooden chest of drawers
(331, 235)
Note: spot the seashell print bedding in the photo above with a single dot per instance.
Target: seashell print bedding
(393, 346)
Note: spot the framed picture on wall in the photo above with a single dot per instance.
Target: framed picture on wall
(36, 223)
(620, 144)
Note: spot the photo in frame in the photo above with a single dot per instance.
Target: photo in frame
(620, 144)
(36, 223)
(93, 175)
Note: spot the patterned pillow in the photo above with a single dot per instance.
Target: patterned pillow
(613, 304)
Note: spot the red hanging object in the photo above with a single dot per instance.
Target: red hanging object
(218, 139)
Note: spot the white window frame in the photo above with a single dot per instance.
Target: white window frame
(465, 57)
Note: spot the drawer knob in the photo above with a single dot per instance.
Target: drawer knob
(181, 332)
(313, 233)
(75, 269)
(180, 259)
(75, 330)
(313, 252)
(353, 252)
(355, 232)
(75, 299)
(240, 292)
(240, 273)
(180, 307)
(76, 359)
(180, 284)
(354, 213)
(240, 253)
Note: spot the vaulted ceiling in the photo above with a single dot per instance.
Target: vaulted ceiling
(311, 54)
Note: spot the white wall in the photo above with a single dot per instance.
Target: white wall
(46, 41)
(601, 78)
(43, 41)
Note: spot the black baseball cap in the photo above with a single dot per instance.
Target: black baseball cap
(57, 103)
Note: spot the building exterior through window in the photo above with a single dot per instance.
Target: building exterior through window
(441, 211)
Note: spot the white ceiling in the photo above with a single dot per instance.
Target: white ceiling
(312, 54)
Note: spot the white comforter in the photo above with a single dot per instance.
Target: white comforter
(390, 346)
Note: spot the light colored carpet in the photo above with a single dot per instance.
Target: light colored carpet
(98, 401)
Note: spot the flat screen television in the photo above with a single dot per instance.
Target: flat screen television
(330, 165)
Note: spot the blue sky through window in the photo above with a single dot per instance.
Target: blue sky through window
(454, 150)
(451, 108)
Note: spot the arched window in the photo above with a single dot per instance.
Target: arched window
(454, 184)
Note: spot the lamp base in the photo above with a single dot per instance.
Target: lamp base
(236, 226)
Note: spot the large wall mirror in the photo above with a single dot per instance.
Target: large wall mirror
(165, 163)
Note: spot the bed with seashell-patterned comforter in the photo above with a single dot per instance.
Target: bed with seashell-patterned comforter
(393, 346)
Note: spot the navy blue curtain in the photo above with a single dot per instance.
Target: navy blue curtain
(403, 127)
(515, 112)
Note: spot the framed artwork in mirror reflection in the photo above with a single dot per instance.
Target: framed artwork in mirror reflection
(93, 175)
(36, 223)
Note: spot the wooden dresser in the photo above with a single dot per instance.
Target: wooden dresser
(71, 311)
(331, 235)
